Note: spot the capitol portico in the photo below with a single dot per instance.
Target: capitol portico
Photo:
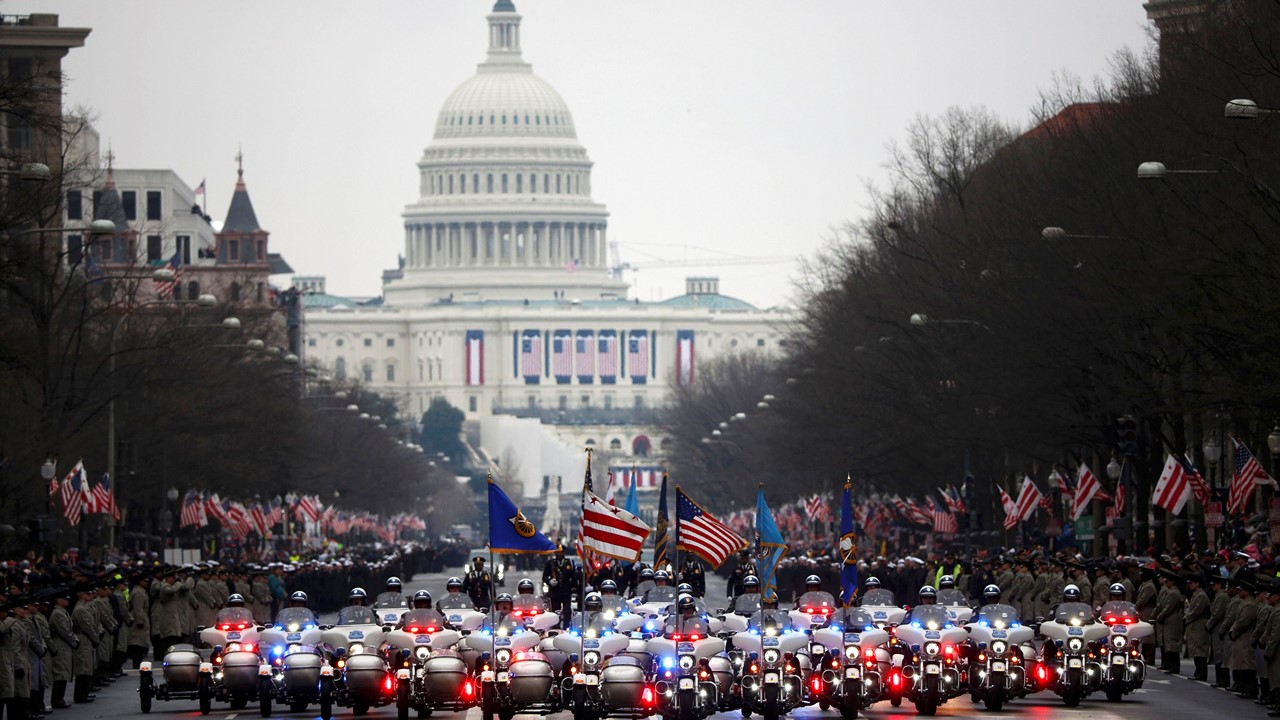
(504, 303)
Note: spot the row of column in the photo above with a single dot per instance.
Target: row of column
(505, 244)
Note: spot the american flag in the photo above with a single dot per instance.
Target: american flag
(1010, 510)
(612, 531)
(276, 515)
(638, 355)
(562, 355)
(914, 512)
(607, 349)
(952, 499)
(1028, 499)
(584, 361)
(813, 506)
(200, 188)
(53, 484)
(697, 531)
(165, 288)
(588, 489)
(531, 354)
(943, 521)
(1087, 487)
(1199, 487)
(74, 494)
(309, 508)
(192, 514)
(1121, 493)
(1248, 474)
(104, 498)
(258, 517)
(1174, 487)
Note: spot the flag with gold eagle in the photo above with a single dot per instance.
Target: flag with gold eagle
(509, 530)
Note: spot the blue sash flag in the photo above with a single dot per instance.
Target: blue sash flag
(772, 548)
(848, 549)
(509, 530)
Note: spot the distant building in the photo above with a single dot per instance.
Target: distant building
(31, 52)
(504, 304)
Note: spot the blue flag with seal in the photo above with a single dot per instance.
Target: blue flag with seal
(772, 548)
(848, 549)
(509, 530)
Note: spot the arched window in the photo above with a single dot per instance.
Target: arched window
(193, 290)
(235, 292)
(641, 446)
(558, 190)
(340, 369)
(591, 442)
(367, 372)
(615, 444)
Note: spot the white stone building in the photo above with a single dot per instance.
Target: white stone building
(504, 304)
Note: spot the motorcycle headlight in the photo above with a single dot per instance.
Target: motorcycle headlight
(423, 653)
(355, 649)
(293, 627)
(1118, 641)
(852, 651)
(591, 657)
(503, 656)
(998, 647)
(771, 656)
(686, 662)
(931, 648)
(1075, 644)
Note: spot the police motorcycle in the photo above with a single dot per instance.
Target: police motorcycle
(364, 678)
(390, 604)
(297, 672)
(513, 675)
(234, 661)
(596, 681)
(654, 602)
(684, 683)
(930, 667)
(879, 603)
(997, 669)
(954, 601)
(532, 610)
(1123, 669)
(855, 664)
(772, 681)
(1065, 664)
(430, 674)
(813, 610)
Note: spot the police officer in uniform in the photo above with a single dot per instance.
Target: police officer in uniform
(477, 583)
(693, 574)
(746, 568)
(64, 646)
(1170, 605)
(558, 576)
(1217, 616)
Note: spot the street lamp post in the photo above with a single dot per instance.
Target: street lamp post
(1273, 444)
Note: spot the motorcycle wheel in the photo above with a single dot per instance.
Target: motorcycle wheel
(1071, 699)
(265, 694)
(896, 702)
(994, 703)
(824, 705)
(359, 709)
(299, 706)
(580, 710)
(326, 702)
(486, 705)
(402, 701)
(424, 712)
(239, 703)
(1115, 695)
(746, 713)
(769, 715)
(205, 695)
(144, 697)
(926, 707)
(506, 714)
(849, 708)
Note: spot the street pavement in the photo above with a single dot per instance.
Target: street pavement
(1165, 697)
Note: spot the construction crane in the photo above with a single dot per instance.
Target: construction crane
(618, 266)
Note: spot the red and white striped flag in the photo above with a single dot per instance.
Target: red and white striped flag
(104, 498)
(1087, 487)
(812, 506)
(192, 514)
(1174, 487)
(699, 532)
(213, 508)
(1010, 509)
(75, 495)
(1248, 475)
(943, 521)
(612, 531)
(1028, 499)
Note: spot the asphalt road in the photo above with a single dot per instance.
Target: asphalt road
(1165, 697)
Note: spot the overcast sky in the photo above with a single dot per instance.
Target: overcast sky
(717, 128)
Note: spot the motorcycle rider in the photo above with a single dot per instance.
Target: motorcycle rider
(769, 617)
(748, 602)
(454, 599)
(611, 601)
(949, 595)
(646, 582)
(928, 607)
(591, 617)
(1072, 608)
(874, 595)
(993, 612)
(1116, 608)
(355, 613)
(687, 589)
(661, 592)
(393, 596)
(852, 619)
(297, 613)
(687, 623)
(501, 619)
(525, 602)
(235, 612)
(814, 596)
(421, 616)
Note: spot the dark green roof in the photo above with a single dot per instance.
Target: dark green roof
(711, 302)
(504, 6)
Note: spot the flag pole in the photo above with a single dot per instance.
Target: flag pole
(677, 553)
(492, 569)
(582, 604)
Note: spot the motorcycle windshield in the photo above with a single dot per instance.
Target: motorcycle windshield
(455, 601)
(878, 597)
(391, 600)
(234, 615)
(1119, 612)
(422, 618)
(1073, 614)
(297, 618)
(855, 619)
(525, 603)
(998, 616)
(747, 604)
(356, 615)
(930, 617)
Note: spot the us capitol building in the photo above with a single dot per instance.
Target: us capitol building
(504, 303)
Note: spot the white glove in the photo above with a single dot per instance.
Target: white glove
(554, 582)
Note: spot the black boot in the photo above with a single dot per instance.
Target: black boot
(81, 691)
(1246, 687)
(58, 696)
(1264, 692)
(1175, 662)
(1221, 676)
(1202, 669)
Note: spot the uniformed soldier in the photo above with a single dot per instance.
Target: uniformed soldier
(1271, 651)
(124, 618)
(40, 630)
(64, 647)
(85, 626)
(1039, 582)
(261, 591)
(558, 576)
(1170, 605)
(1101, 584)
(1259, 639)
(1196, 621)
(478, 583)
(1018, 591)
(693, 574)
(1081, 580)
(746, 567)
(140, 630)
(170, 602)
(1054, 583)
(22, 648)
(1004, 573)
(1146, 603)
(7, 620)
(1241, 637)
(1218, 654)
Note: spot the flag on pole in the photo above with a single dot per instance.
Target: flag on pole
(588, 486)
(104, 498)
(1248, 475)
(632, 504)
(660, 541)
(53, 483)
(772, 547)
(1010, 509)
(1173, 489)
(165, 288)
(943, 521)
(611, 531)
(509, 530)
(1028, 499)
(200, 187)
(701, 533)
(74, 497)
(848, 549)
(192, 514)
(1199, 486)
(1087, 486)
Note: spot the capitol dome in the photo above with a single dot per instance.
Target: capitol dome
(504, 209)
